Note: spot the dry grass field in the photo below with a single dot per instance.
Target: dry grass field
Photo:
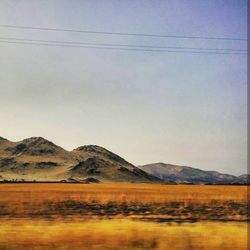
(122, 216)
(144, 200)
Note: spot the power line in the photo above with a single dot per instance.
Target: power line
(120, 45)
(124, 34)
(123, 49)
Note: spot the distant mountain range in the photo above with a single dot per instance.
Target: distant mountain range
(182, 174)
(38, 160)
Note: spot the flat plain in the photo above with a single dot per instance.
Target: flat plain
(122, 216)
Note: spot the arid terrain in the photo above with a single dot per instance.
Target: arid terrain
(91, 198)
(124, 124)
(122, 216)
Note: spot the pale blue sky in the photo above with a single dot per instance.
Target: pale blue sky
(148, 107)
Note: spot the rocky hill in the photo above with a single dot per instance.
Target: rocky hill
(37, 159)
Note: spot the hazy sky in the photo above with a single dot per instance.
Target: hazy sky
(187, 109)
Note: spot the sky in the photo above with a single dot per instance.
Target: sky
(179, 108)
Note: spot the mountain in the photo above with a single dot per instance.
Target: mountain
(182, 174)
(37, 159)
(243, 179)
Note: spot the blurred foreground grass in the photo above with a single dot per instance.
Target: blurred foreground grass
(122, 234)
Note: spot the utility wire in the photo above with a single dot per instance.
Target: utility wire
(125, 49)
(120, 45)
(124, 34)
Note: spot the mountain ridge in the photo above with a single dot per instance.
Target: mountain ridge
(184, 174)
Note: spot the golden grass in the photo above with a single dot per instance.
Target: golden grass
(103, 193)
(121, 234)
